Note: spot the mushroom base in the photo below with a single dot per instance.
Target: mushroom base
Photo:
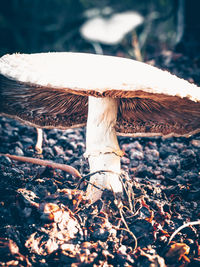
(102, 148)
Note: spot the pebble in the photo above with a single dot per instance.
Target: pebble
(51, 142)
(144, 171)
(58, 150)
(152, 145)
(73, 136)
(136, 155)
(173, 161)
(191, 176)
(100, 234)
(19, 144)
(151, 155)
(72, 145)
(17, 172)
(188, 159)
(69, 152)
(178, 146)
(11, 128)
(5, 160)
(63, 141)
(48, 152)
(53, 133)
(27, 140)
(81, 148)
(165, 151)
(18, 151)
(125, 160)
(135, 145)
(196, 143)
(180, 179)
(168, 173)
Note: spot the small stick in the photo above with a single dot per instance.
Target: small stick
(136, 47)
(84, 178)
(127, 229)
(38, 145)
(48, 163)
(127, 193)
(182, 227)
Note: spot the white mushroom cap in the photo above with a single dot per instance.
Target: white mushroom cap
(51, 90)
(111, 30)
(80, 73)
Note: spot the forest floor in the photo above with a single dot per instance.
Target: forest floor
(45, 220)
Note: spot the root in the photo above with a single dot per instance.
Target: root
(48, 163)
(182, 227)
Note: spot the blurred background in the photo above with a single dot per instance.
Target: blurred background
(30, 26)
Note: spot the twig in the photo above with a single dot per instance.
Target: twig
(48, 163)
(127, 193)
(38, 145)
(84, 178)
(182, 227)
(127, 228)
(136, 47)
(94, 185)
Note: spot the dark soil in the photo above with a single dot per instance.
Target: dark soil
(45, 219)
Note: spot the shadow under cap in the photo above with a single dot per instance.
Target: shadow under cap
(146, 115)
(142, 110)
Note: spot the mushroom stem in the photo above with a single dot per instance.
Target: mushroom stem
(102, 148)
(97, 48)
(38, 145)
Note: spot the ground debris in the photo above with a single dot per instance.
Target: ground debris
(46, 221)
(177, 252)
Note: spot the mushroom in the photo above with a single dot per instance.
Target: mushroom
(114, 96)
(109, 30)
